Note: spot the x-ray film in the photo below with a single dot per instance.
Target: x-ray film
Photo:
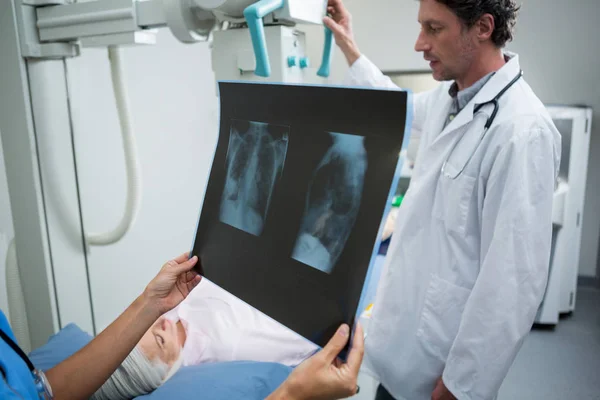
(332, 202)
(301, 182)
(255, 158)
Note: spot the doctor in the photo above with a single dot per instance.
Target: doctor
(468, 264)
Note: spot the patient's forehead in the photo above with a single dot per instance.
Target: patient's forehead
(149, 346)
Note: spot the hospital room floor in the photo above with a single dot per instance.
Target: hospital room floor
(562, 363)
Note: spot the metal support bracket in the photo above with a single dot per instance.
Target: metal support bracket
(60, 28)
(29, 40)
(38, 3)
(94, 18)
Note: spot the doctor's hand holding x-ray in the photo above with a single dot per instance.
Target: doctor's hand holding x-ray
(468, 263)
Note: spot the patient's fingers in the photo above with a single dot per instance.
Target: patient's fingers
(338, 363)
(336, 344)
(193, 283)
(190, 276)
(357, 351)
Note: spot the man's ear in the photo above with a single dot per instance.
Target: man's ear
(485, 27)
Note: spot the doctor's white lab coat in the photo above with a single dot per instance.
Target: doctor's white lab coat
(468, 264)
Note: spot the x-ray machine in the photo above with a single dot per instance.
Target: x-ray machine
(251, 40)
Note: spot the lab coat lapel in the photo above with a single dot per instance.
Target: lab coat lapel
(462, 118)
(499, 81)
(440, 114)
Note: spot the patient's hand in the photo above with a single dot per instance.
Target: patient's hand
(173, 283)
(324, 376)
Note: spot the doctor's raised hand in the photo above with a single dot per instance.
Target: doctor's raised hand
(340, 23)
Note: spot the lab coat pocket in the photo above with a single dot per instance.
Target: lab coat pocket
(441, 316)
(452, 201)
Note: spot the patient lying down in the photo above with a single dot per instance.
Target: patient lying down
(209, 326)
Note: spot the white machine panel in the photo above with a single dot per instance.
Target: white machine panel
(303, 11)
(231, 8)
(211, 4)
(300, 11)
(574, 125)
(287, 53)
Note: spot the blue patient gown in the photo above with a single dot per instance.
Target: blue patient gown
(16, 381)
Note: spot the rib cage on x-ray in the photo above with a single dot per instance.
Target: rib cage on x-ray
(255, 159)
(332, 203)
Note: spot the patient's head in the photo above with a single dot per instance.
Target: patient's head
(162, 342)
(156, 358)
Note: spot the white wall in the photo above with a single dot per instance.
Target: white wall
(6, 232)
(558, 48)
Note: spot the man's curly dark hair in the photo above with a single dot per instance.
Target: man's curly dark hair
(503, 11)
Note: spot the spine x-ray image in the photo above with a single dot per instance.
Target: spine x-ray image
(332, 203)
(255, 160)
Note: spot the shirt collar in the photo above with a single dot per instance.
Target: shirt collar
(463, 97)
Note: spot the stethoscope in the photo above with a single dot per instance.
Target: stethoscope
(489, 123)
(41, 382)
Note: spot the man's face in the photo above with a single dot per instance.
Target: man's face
(445, 42)
(161, 342)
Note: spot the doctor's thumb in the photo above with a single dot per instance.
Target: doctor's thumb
(336, 344)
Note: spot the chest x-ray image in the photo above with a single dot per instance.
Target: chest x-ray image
(299, 189)
(255, 159)
(332, 202)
